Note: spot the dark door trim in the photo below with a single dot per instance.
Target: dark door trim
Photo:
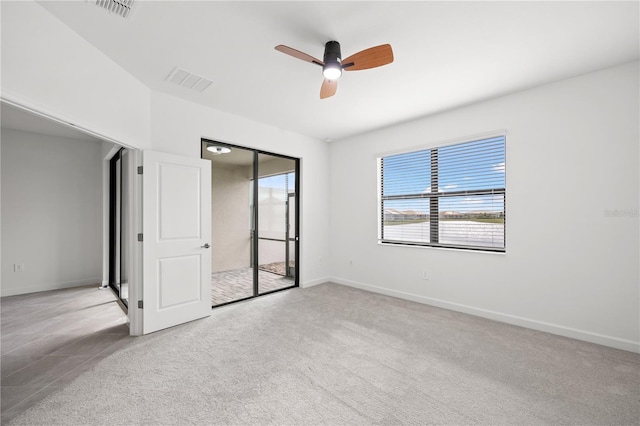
(114, 214)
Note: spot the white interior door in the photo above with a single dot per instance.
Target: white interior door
(176, 238)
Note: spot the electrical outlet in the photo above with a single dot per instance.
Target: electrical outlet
(425, 275)
(18, 267)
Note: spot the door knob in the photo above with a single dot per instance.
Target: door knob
(206, 245)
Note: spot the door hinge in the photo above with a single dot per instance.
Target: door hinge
(139, 237)
(139, 170)
(140, 304)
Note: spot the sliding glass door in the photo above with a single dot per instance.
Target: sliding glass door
(254, 222)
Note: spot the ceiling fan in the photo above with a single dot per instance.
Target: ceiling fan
(333, 64)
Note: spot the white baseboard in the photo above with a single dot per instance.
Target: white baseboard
(587, 336)
(12, 291)
(311, 283)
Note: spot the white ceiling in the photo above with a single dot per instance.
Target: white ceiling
(447, 54)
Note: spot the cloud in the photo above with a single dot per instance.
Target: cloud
(469, 200)
(499, 168)
(492, 201)
(426, 191)
(451, 186)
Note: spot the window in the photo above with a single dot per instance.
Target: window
(450, 196)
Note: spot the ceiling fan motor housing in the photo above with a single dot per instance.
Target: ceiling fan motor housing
(332, 58)
(332, 53)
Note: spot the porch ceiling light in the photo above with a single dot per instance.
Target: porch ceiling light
(217, 150)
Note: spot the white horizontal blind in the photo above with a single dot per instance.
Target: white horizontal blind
(451, 196)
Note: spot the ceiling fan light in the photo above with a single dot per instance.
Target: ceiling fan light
(217, 150)
(332, 71)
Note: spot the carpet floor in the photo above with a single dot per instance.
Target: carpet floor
(335, 355)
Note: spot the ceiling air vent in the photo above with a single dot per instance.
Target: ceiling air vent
(119, 7)
(188, 80)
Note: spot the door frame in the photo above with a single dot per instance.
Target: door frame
(134, 216)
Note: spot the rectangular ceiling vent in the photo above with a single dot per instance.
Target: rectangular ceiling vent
(119, 7)
(188, 80)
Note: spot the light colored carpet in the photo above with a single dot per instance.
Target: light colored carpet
(339, 356)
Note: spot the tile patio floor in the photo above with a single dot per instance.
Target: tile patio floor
(237, 284)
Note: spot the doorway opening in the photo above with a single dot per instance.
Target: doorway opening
(255, 217)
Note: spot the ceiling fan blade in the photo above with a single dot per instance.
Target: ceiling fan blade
(369, 58)
(328, 88)
(298, 54)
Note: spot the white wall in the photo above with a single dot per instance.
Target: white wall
(54, 71)
(177, 127)
(51, 212)
(49, 68)
(571, 267)
(572, 157)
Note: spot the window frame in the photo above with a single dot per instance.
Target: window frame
(434, 197)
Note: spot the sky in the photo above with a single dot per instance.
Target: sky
(286, 182)
(469, 166)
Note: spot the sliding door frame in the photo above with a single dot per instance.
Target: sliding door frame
(256, 224)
